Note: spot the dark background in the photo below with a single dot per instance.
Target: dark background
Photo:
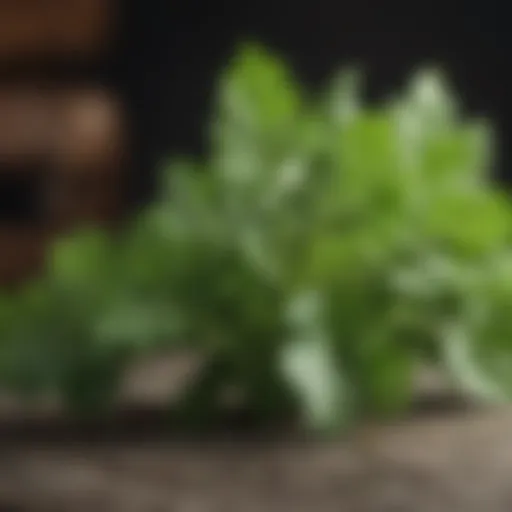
(170, 51)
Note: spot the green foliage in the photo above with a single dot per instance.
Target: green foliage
(50, 343)
(317, 255)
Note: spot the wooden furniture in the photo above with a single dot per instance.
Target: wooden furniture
(61, 145)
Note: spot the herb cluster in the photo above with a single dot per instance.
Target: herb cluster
(320, 252)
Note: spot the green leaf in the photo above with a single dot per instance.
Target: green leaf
(458, 158)
(432, 100)
(258, 111)
(81, 259)
(475, 372)
(343, 100)
(139, 325)
(308, 365)
(385, 371)
(370, 171)
(258, 92)
(487, 220)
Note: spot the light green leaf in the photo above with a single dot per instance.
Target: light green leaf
(258, 92)
(308, 365)
(343, 97)
(432, 99)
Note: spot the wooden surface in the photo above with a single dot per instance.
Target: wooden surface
(451, 464)
(443, 461)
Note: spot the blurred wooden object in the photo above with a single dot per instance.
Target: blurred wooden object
(48, 28)
(77, 126)
(88, 158)
(61, 156)
(61, 147)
